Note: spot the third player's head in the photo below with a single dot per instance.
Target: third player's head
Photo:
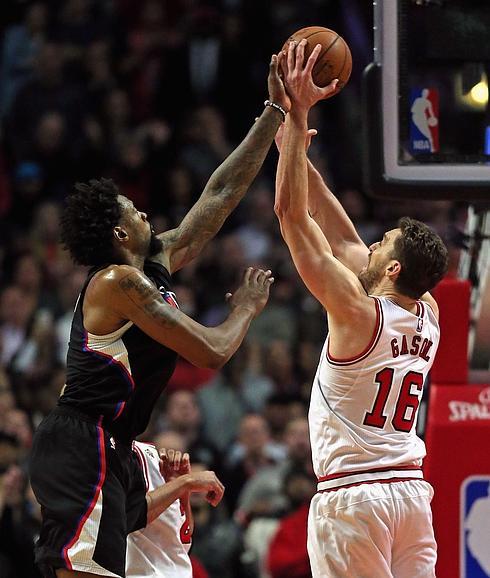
(99, 226)
(411, 260)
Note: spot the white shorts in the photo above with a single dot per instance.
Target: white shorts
(373, 531)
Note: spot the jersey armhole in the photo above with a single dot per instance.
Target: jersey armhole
(378, 327)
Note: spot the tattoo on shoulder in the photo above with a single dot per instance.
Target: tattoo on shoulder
(147, 298)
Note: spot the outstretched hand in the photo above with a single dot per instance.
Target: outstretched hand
(277, 92)
(298, 80)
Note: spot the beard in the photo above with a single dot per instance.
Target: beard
(369, 278)
(155, 245)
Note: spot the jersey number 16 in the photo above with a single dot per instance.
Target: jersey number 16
(406, 399)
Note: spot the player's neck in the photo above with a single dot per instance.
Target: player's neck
(403, 301)
(128, 258)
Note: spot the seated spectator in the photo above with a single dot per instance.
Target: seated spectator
(182, 415)
(252, 452)
(236, 390)
(263, 494)
(279, 410)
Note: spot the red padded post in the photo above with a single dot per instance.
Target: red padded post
(451, 362)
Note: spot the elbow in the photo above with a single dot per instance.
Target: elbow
(281, 210)
(215, 358)
(278, 210)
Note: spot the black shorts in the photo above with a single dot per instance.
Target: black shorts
(92, 493)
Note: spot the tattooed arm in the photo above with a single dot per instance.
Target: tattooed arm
(123, 293)
(227, 184)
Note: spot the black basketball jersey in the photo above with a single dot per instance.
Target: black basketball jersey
(118, 376)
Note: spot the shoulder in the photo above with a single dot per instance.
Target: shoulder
(427, 299)
(116, 280)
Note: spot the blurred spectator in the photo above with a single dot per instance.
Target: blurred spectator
(21, 44)
(236, 390)
(263, 493)
(16, 312)
(279, 410)
(47, 93)
(280, 367)
(252, 452)
(183, 416)
(28, 183)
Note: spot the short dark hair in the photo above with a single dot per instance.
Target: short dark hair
(89, 215)
(423, 257)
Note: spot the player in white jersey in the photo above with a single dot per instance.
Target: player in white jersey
(371, 516)
(161, 550)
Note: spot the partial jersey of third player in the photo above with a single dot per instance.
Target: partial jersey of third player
(161, 549)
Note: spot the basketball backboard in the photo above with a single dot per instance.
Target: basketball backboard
(425, 104)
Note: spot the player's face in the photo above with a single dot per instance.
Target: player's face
(139, 229)
(380, 254)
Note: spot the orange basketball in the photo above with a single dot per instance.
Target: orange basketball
(334, 60)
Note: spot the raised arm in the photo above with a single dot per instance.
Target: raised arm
(333, 284)
(330, 216)
(227, 184)
(125, 293)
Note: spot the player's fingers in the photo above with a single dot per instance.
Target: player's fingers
(170, 456)
(310, 63)
(214, 496)
(300, 55)
(266, 275)
(291, 56)
(228, 296)
(312, 132)
(273, 65)
(163, 453)
(256, 276)
(284, 62)
(247, 275)
(177, 460)
(280, 58)
(330, 88)
(185, 464)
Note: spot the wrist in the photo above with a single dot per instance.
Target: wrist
(246, 308)
(277, 107)
(299, 112)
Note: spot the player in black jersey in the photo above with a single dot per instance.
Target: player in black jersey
(127, 331)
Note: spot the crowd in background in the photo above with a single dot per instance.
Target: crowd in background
(155, 94)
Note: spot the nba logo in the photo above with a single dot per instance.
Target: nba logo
(475, 527)
(424, 121)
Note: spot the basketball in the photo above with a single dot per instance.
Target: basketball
(334, 60)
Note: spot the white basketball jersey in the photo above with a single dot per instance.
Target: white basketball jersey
(363, 410)
(158, 551)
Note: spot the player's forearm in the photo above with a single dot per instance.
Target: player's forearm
(226, 338)
(292, 173)
(160, 499)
